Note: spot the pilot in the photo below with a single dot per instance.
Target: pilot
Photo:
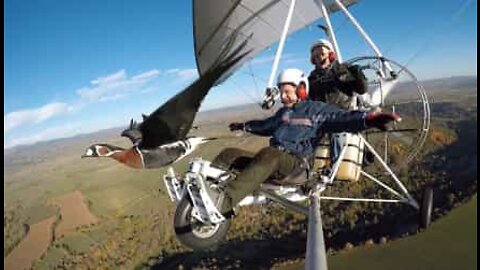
(334, 83)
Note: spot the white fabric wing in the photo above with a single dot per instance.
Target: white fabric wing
(221, 25)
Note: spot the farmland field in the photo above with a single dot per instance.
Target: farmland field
(125, 215)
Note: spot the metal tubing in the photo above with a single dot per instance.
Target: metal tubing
(288, 204)
(281, 43)
(411, 200)
(331, 33)
(363, 33)
(336, 166)
(359, 28)
(316, 257)
(361, 199)
(381, 184)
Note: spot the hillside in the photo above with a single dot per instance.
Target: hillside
(133, 214)
(447, 244)
(458, 88)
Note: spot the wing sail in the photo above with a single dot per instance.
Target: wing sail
(258, 21)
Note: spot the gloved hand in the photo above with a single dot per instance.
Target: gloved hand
(236, 126)
(359, 81)
(356, 72)
(380, 119)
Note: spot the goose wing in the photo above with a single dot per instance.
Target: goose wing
(172, 121)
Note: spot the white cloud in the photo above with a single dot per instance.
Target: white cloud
(110, 87)
(19, 118)
(262, 60)
(105, 88)
(149, 90)
(116, 86)
(172, 70)
(288, 57)
(77, 107)
(149, 75)
(182, 75)
(293, 60)
(187, 74)
(112, 97)
(115, 77)
(66, 130)
(47, 134)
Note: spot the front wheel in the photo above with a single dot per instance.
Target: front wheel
(195, 234)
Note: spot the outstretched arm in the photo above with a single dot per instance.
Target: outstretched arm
(259, 127)
(333, 119)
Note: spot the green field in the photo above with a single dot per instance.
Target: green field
(450, 243)
(136, 214)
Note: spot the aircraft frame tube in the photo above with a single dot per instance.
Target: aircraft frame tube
(316, 257)
(411, 200)
(288, 204)
(359, 28)
(283, 37)
(331, 33)
(336, 165)
(362, 32)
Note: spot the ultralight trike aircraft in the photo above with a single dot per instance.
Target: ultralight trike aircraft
(221, 26)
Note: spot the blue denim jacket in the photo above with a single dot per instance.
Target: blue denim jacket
(298, 129)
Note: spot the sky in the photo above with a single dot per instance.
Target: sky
(73, 67)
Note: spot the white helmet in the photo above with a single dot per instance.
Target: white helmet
(295, 77)
(321, 42)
